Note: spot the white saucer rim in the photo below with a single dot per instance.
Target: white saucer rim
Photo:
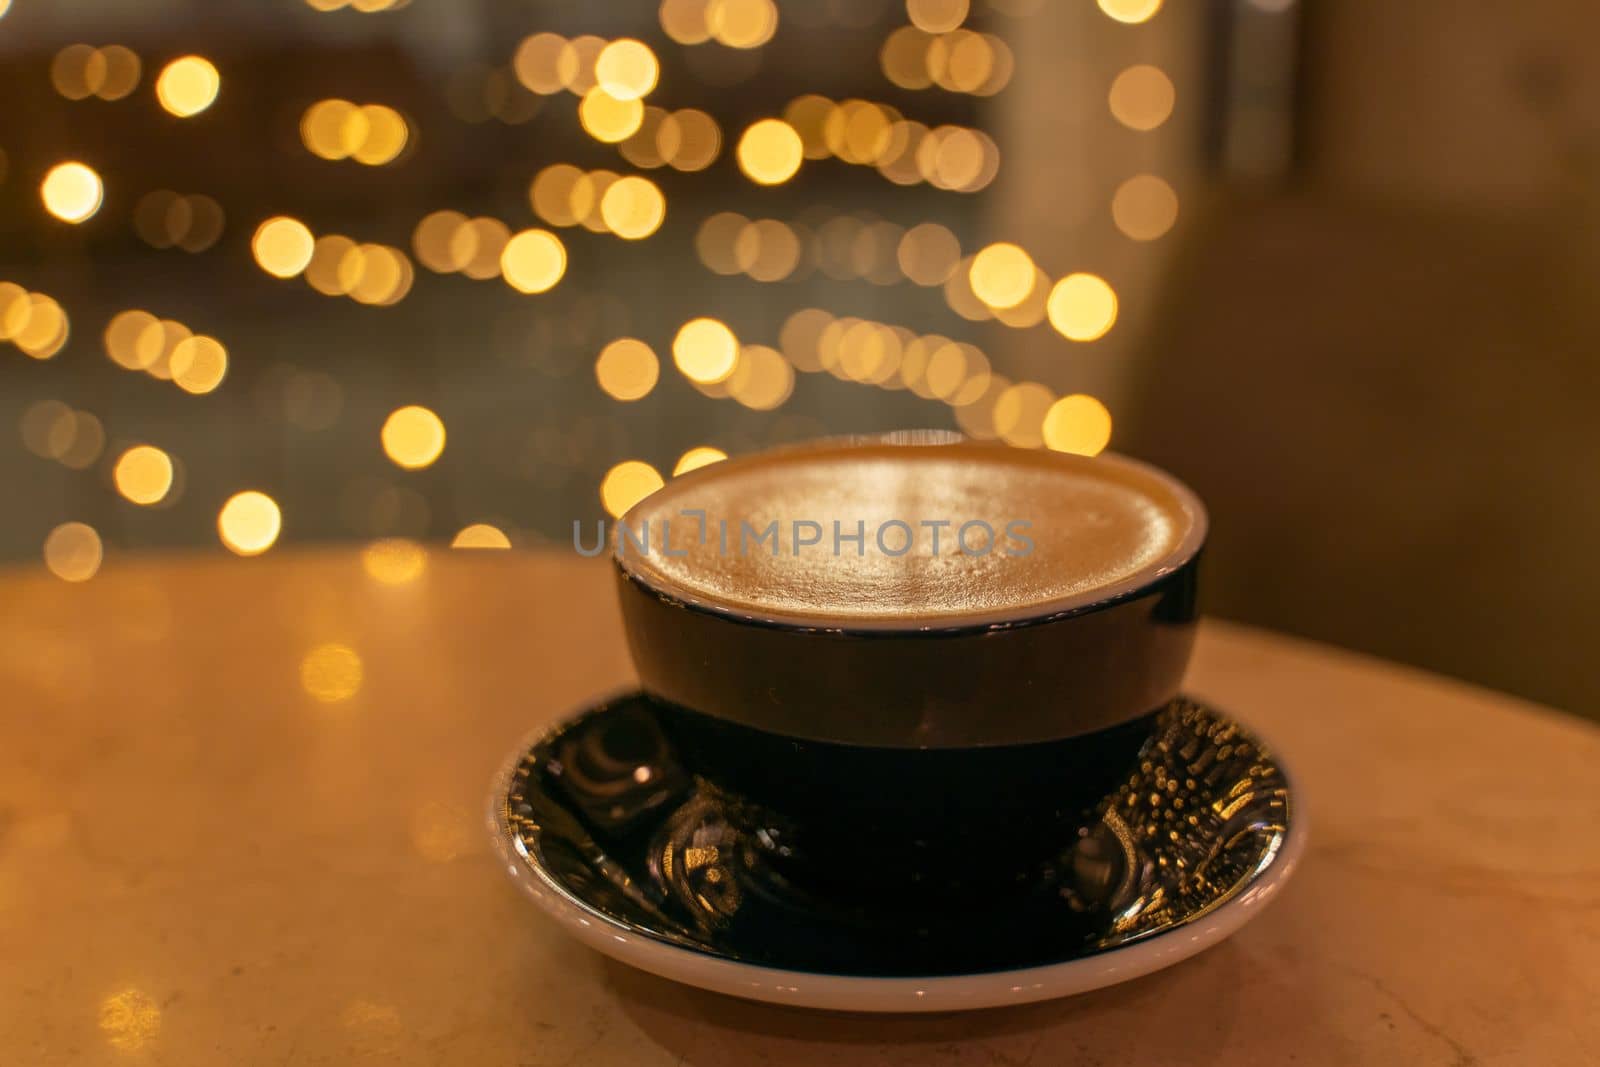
(902, 994)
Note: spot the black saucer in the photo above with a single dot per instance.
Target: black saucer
(617, 833)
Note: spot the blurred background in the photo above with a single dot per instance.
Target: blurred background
(276, 273)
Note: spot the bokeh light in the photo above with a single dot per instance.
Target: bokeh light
(481, 535)
(1002, 275)
(198, 364)
(741, 23)
(936, 16)
(608, 119)
(627, 483)
(533, 261)
(1078, 423)
(705, 350)
(627, 69)
(770, 152)
(1144, 207)
(1142, 97)
(282, 246)
(1019, 413)
(249, 523)
(1130, 11)
(685, 21)
(697, 457)
(73, 552)
(413, 437)
(72, 191)
(394, 560)
(633, 207)
(331, 673)
(627, 369)
(1082, 307)
(187, 86)
(143, 474)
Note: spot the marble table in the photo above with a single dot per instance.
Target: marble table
(241, 823)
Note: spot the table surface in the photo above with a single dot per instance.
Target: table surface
(240, 822)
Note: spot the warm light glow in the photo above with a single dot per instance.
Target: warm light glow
(198, 364)
(608, 119)
(130, 1019)
(627, 369)
(72, 192)
(551, 194)
(627, 69)
(331, 673)
(73, 552)
(717, 240)
(394, 560)
(143, 474)
(433, 238)
(742, 23)
(538, 63)
(282, 246)
(767, 250)
(249, 523)
(533, 261)
(122, 338)
(697, 457)
(705, 351)
(1002, 275)
(626, 484)
(685, 20)
(187, 86)
(928, 254)
(633, 207)
(1019, 414)
(1082, 307)
(1144, 207)
(1142, 97)
(33, 322)
(936, 16)
(689, 140)
(1078, 423)
(770, 152)
(386, 136)
(904, 58)
(413, 437)
(762, 380)
(481, 535)
(1131, 11)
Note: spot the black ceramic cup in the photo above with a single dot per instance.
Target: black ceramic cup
(911, 752)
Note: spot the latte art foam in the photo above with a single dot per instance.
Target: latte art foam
(848, 532)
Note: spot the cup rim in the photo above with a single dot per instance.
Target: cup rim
(1180, 556)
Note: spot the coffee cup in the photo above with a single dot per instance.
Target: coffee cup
(909, 664)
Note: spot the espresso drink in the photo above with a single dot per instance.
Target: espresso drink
(903, 535)
(876, 709)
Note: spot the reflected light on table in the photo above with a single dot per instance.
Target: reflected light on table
(394, 560)
(331, 673)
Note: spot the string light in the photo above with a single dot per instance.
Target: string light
(249, 523)
(627, 369)
(187, 86)
(413, 437)
(1082, 307)
(770, 152)
(72, 191)
(705, 350)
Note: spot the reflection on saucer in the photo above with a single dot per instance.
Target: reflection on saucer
(604, 811)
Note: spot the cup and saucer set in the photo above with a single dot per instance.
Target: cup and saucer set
(960, 801)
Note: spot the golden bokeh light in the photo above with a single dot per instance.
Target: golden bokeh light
(627, 483)
(1131, 11)
(52, 430)
(331, 673)
(143, 474)
(741, 23)
(1144, 207)
(767, 250)
(122, 338)
(685, 20)
(608, 119)
(959, 296)
(1019, 414)
(481, 535)
(717, 240)
(412, 437)
(1002, 275)
(386, 137)
(770, 152)
(904, 58)
(627, 369)
(282, 246)
(966, 62)
(249, 523)
(373, 134)
(73, 552)
(551, 194)
(187, 86)
(433, 241)
(478, 245)
(1078, 423)
(705, 350)
(801, 338)
(808, 115)
(762, 380)
(928, 254)
(936, 16)
(198, 364)
(394, 560)
(633, 207)
(72, 191)
(697, 457)
(538, 63)
(33, 322)
(533, 261)
(80, 71)
(1032, 309)
(689, 140)
(588, 193)
(1142, 97)
(576, 64)
(1082, 307)
(627, 69)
